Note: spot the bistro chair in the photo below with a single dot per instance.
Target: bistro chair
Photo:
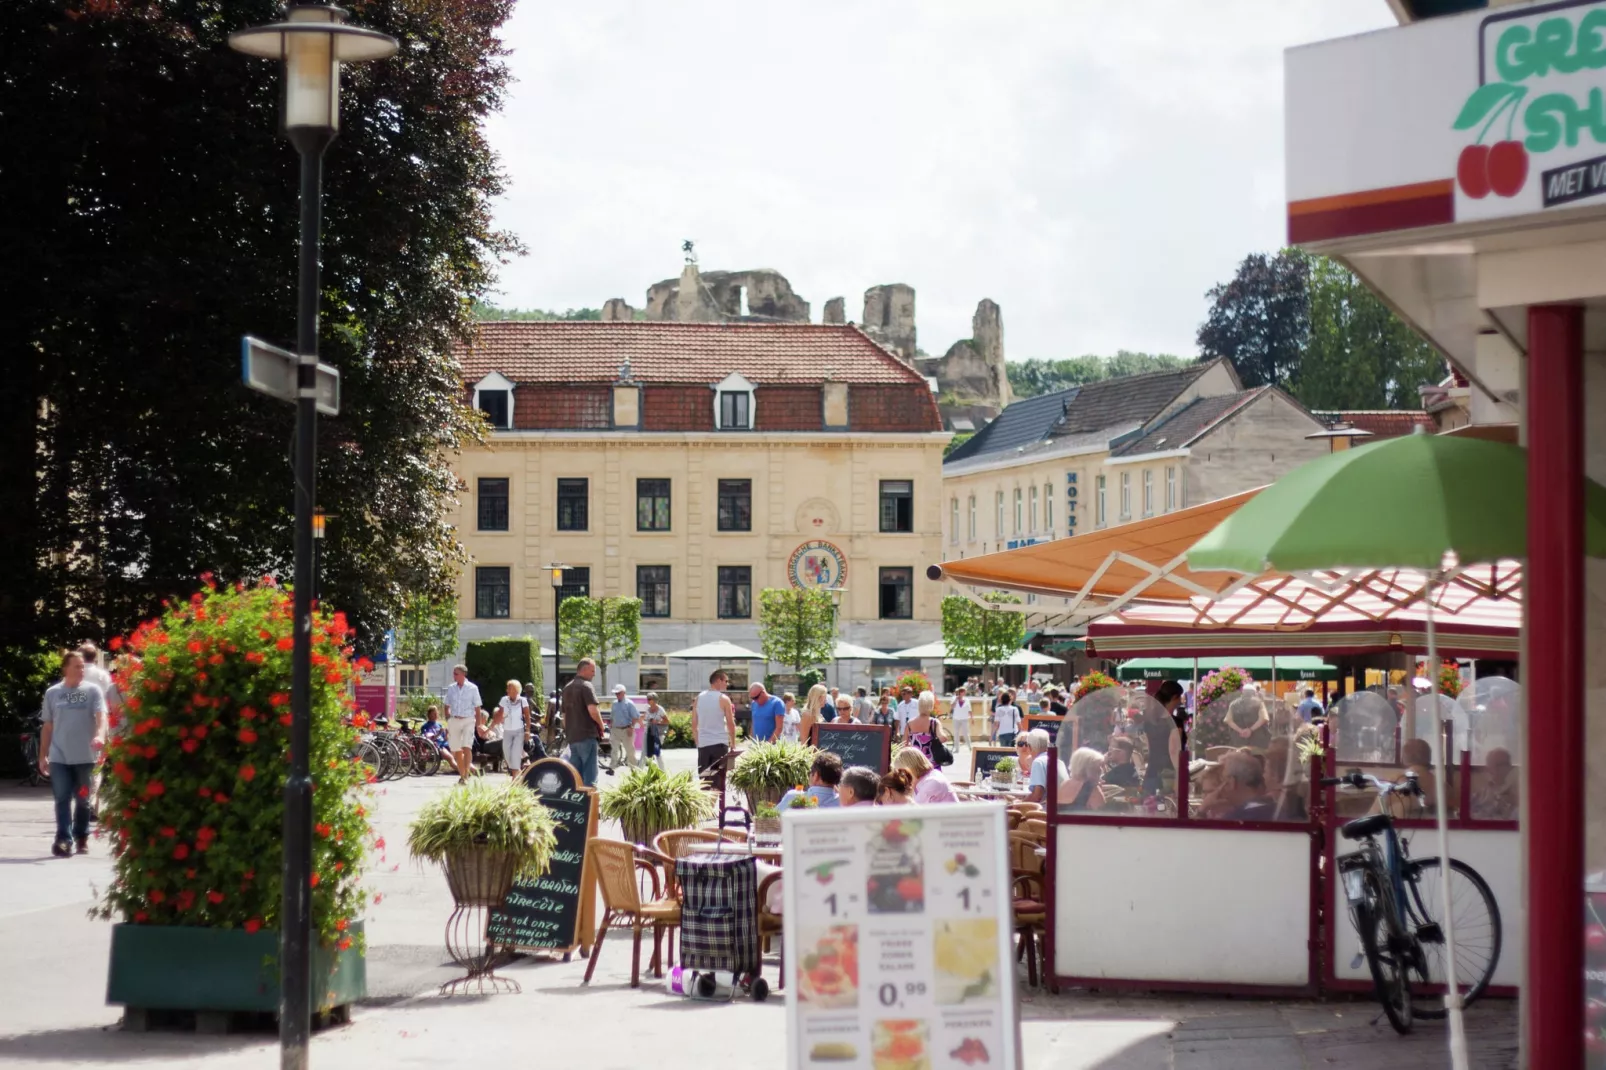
(1028, 900)
(1035, 827)
(619, 865)
(770, 925)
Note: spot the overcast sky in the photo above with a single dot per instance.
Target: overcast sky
(1094, 166)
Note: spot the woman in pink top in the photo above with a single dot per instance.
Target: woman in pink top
(931, 786)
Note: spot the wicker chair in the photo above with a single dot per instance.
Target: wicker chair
(770, 926)
(1028, 900)
(618, 867)
(1035, 827)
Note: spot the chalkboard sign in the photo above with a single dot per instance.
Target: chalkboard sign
(554, 912)
(857, 744)
(982, 760)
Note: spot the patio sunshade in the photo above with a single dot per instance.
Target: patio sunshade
(1101, 570)
(718, 650)
(923, 652)
(1030, 658)
(846, 651)
(1400, 503)
(1291, 667)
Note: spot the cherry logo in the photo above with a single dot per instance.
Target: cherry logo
(1500, 168)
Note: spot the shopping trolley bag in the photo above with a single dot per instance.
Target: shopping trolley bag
(719, 911)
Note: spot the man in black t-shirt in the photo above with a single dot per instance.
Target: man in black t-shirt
(582, 721)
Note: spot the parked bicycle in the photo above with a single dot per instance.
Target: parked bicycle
(1396, 904)
(31, 776)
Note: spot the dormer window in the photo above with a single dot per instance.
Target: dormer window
(733, 404)
(493, 395)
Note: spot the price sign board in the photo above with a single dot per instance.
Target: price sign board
(554, 912)
(856, 744)
(982, 760)
(899, 939)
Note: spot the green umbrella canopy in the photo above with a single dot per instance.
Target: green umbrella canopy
(1399, 503)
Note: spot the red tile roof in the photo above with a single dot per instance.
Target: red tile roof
(1382, 423)
(570, 351)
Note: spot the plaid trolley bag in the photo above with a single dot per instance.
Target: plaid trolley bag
(719, 916)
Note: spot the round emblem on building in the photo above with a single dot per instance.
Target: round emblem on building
(818, 564)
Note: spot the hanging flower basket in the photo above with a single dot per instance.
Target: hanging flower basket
(1093, 681)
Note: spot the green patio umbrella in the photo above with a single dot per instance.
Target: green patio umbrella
(1399, 503)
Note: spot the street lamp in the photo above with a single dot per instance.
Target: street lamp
(556, 569)
(312, 42)
(836, 662)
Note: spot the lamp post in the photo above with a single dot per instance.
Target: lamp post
(836, 662)
(556, 569)
(312, 42)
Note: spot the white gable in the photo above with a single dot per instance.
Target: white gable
(494, 381)
(733, 382)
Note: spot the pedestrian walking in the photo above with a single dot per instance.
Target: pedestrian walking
(715, 719)
(768, 713)
(863, 708)
(582, 721)
(465, 714)
(961, 718)
(908, 708)
(74, 734)
(622, 718)
(1006, 719)
(515, 708)
(792, 722)
(657, 727)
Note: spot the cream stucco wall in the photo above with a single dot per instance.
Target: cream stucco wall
(804, 487)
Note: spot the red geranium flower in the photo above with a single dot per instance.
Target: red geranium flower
(157, 895)
(345, 943)
(248, 772)
(286, 643)
(139, 915)
(252, 925)
(247, 736)
(188, 746)
(115, 643)
(181, 852)
(154, 788)
(214, 897)
(169, 831)
(342, 925)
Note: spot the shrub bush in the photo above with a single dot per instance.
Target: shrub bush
(491, 663)
(193, 797)
(680, 734)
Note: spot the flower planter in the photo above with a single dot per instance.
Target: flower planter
(480, 878)
(189, 968)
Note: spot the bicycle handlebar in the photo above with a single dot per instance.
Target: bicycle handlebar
(1359, 779)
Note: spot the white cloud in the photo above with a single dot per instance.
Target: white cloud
(1092, 165)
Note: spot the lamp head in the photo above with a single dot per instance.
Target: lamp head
(313, 42)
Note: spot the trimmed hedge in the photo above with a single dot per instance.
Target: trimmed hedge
(491, 663)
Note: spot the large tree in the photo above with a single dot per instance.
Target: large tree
(1260, 318)
(976, 635)
(796, 626)
(151, 220)
(1360, 355)
(606, 630)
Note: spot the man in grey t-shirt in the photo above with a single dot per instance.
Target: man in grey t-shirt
(74, 718)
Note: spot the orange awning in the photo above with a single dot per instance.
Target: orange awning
(1143, 559)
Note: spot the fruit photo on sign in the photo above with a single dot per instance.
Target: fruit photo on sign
(965, 953)
(829, 973)
(900, 1045)
(897, 871)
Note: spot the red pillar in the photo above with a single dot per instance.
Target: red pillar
(1553, 587)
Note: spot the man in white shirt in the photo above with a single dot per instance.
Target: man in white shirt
(961, 717)
(908, 708)
(464, 713)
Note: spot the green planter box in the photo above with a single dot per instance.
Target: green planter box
(188, 968)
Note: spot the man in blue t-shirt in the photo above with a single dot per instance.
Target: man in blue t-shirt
(769, 713)
(1310, 707)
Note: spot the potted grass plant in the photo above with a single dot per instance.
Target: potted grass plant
(647, 801)
(484, 835)
(767, 820)
(1004, 771)
(767, 771)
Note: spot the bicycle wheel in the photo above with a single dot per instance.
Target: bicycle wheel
(1477, 933)
(400, 760)
(1375, 923)
(424, 752)
(369, 755)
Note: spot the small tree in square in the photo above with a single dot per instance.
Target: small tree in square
(976, 635)
(426, 630)
(796, 626)
(606, 630)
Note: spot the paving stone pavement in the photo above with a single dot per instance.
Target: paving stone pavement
(52, 1009)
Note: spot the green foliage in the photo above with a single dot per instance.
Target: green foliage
(1360, 355)
(796, 627)
(485, 311)
(772, 767)
(1260, 318)
(426, 629)
(979, 636)
(1306, 323)
(25, 672)
(681, 733)
(1029, 378)
(647, 801)
(914, 680)
(606, 630)
(507, 817)
(958, 440)
(1005, 765)
(160, 203)
(491, 663)
(193, 797)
